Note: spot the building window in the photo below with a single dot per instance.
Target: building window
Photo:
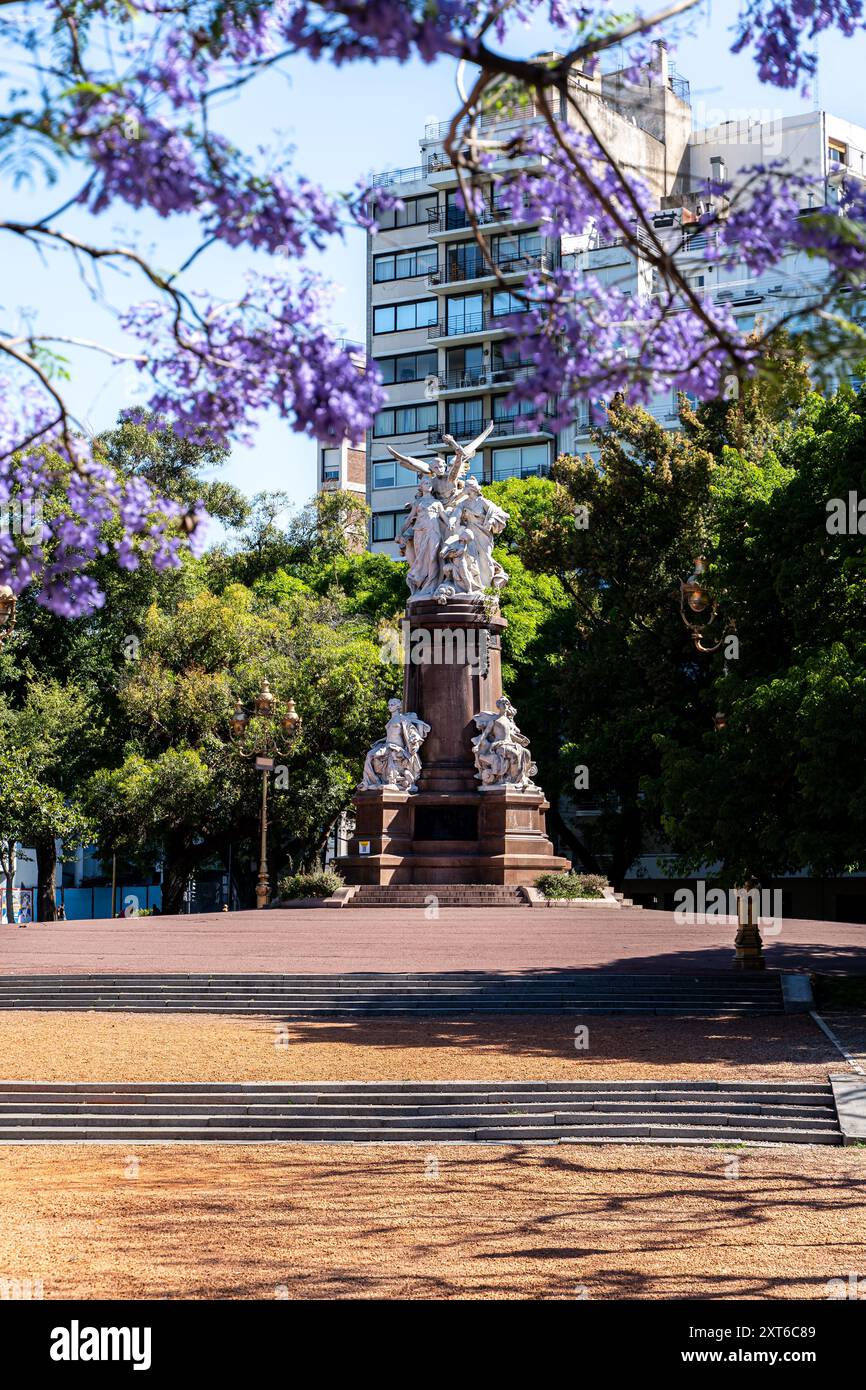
(465, 417)
(412, 366)
(404, 265)
(385, 474)
(416, 212)
(385, 525)
(390, 473)
(465, 314)
(455, 213)
(505, 302)
(837, 152)
(405, 419)
(501, 411)
(517, 251)
(519, 462)
(465, 261)
(464, 366)
(331, 463)
(397, 318)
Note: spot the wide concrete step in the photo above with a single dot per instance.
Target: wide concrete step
(448, 993)
(418, 1112)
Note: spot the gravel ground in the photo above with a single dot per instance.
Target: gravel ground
(399, 1222)
(178, 1047)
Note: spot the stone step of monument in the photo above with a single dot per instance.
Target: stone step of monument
(430, 1112)
(443, 894)
(448, 994)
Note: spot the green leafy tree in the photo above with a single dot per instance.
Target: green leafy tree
(781, 787)
(618, 531)
(174, 465)
(45, 749)
(184, 790)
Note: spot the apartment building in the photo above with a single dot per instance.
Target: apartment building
(435, 312)
(343, 467)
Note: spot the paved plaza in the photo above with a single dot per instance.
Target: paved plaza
(327, 940)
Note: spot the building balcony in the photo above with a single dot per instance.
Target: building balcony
(454, 222)
(484, 379)
(479, 271)
(513, 425)
(468, 328)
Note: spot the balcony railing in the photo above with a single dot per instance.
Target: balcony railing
(465, 323)
(388, 176)
(457, 219)
(485, 376)
(541, 470)
(477, 268)
(515, 422)
(464, 427)
(438, 130)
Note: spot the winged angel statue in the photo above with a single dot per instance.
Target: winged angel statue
(449, 533)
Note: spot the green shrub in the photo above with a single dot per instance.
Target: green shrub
(318, 885)
(570, 885)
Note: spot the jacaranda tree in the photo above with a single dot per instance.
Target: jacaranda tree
(118, 98)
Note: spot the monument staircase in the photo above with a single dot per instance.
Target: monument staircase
(427, 1112)
(445, 994)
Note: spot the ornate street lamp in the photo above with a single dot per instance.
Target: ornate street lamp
(272, 738)
(7, 612)
(748, 953)
(694, 596)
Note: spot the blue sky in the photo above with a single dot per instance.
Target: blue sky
(343, 123)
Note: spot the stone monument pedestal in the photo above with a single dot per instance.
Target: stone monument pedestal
(452, 829)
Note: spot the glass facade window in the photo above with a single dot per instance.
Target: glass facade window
(506, 302)
(416, 212)
(464, 366)
(501, 411)
(397, 318)
(385, 474)
(455, 214)
(519, 462)
(465, 417)
(465, 261)
(516, 249)
(390, 473)
(385, 525)
(412, 366)
(405, 419)
(465, 313)
(403, 265)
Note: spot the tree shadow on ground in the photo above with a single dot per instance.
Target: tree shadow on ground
(718, 1045)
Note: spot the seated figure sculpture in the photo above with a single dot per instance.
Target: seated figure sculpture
(502, 756)
(393, 761)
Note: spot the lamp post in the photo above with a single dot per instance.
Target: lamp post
(748, 946)
(271, 737)
(7, 612)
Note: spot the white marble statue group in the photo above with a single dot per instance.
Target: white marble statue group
(501, 751)
(449, 533)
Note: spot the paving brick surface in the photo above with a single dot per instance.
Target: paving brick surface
(324, 940)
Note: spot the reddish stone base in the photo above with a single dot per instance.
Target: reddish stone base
(467, 837)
